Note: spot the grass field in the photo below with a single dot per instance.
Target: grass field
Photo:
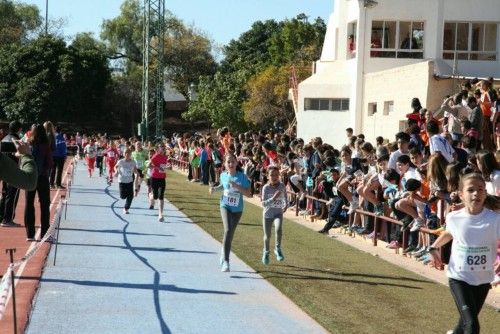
(344, 289)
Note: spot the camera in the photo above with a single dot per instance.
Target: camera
(7, 147)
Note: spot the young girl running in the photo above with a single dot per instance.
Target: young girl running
(235, 184)
(125, 169)
(158, 166)
(111, 158)
(274, 203)
(474, 231)
(90, 155)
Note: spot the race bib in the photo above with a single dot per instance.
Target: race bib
(473, 258)
(230, 198)
(111, 155)
(139, 163)
(163, 168)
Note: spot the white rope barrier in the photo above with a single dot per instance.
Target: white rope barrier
(6, 281)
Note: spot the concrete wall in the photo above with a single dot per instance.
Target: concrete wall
(329, 125)
(399, 85)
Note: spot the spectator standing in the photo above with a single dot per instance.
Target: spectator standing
(43, 159)
(10, 193)
(59, 155)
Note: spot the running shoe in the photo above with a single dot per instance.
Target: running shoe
(30, 239)
(393, 245)
(225, 267)
(151, 207)
(322, 231)
(265, 257)
(279, 254)
(409, 249)
(9, 224)
(161, 219)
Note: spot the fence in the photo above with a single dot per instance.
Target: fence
(7, 282)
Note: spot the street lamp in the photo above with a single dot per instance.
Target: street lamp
(46, 17)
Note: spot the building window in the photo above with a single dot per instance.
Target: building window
(470, 41)
(397, 39)
(351, 39)
(388, 107)
(326, 104)
(372, 108)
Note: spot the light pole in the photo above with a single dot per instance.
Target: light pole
(46, 17)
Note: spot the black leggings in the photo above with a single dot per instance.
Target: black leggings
(127, 193)
(469, 300)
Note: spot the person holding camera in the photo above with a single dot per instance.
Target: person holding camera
(25, 174)
(10, 193)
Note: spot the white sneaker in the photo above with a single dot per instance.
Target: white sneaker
(225, 267)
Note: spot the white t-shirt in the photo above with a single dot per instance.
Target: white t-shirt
(438, 143)
(125, 170)
(474, 246)
(394, 158)
(411, 173)
(90, 151)
(493, 187)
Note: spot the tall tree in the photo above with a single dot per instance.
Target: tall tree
(251, 50)
(17, 21)
(219, 100)
(45, 79)
(187, 51)
(268, 97)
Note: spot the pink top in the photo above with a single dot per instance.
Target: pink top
(112, 154)
(159, 164)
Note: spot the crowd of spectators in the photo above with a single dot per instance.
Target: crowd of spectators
(412, 177)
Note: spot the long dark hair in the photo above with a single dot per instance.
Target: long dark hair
(487, 163)
(229, 156)
(39, 135)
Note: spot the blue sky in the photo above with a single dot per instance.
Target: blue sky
(222, 20)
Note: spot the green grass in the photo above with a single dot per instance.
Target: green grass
(344, 289)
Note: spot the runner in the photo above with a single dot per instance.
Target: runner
(474, 232)
(99, 156)
(111, 158)
(90, 153)
(140, 156)
(125, 169)
(274, 203)
(235, 184)
(158, 167)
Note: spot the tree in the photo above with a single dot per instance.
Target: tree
(188, 56)
(45, 79)
(268, 97)
(298, 41)
(17, 21)
(250, 50)
(187, 51)
(219, 100)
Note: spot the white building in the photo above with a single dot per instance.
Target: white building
(402, 49)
